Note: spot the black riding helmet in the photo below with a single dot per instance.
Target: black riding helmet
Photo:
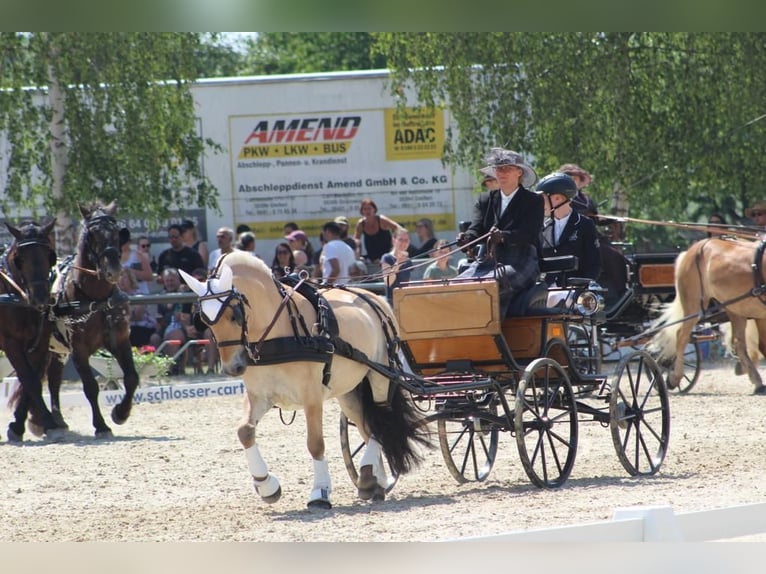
(557, 182)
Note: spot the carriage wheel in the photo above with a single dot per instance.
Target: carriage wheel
(351, 456)
(692, 362)
(545, 421)
(585, 354)
(468, 442)
(639, 414)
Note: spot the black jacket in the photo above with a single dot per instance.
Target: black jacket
(579, 238)
(523, 220)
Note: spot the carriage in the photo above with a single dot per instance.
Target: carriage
(536, 375)
(648, 286)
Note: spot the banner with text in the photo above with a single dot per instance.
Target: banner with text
(311, 167)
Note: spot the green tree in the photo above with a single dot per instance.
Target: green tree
(304, 52)
(111, 116)
(666, 121)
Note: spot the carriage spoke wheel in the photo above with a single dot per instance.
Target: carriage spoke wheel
(352, 448)
(545, 422)
(639, 414)
(692, 361)
(468, 442)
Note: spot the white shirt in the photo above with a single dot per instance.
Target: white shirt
(506, 199)
(558, 227)
(337, 249)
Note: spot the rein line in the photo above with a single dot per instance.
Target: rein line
(15, 285)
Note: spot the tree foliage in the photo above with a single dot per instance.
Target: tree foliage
(305, 52)
(110, 116)
(670, 123)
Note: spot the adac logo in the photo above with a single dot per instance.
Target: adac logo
(330, 135)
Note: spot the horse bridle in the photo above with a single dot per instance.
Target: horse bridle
(231, 299)
(91, 254)
(236, 301)
(24, 285)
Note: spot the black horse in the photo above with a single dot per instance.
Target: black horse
(25, 270)
(91, 313)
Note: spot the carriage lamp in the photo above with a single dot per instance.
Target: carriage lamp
(589, 303)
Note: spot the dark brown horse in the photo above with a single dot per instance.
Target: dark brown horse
(729, 273)
(25, 270)
(92, 313)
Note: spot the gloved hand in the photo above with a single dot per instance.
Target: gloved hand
(461, 239)
(496, 235)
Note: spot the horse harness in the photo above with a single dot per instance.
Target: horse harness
(7, 273)
(302, 345)
(758, 291)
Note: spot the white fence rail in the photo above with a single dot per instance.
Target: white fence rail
(650, 524)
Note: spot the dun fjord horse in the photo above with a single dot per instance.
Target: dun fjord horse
(723, 271)
(284, 362)
(25, 270)
(92, 313)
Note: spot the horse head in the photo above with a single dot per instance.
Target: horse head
(222, 308)
(32, 257)
(99, 246)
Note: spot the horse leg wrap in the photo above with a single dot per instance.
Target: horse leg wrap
(320, 492)
(268, 488)
(372, 477)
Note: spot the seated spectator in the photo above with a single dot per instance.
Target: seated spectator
(246, 242)
(338, 257)
(175, 320)
(342, 220)
(440, 268)
(425, 231)
(178, 255)
(137, 260)
(225, 238)
(191, 239)
(284, 261)
(143, 323)
(396, 265)
(299, 240)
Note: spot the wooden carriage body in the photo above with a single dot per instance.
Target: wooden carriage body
(457, 327)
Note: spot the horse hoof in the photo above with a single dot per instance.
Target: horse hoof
(104, 434)
(35, 429)
(320, 503)
(760, 390)
(367, 484)
(117, 419)
(271, 499)
(55, 435)
(59, 420)
(15, 438)
(379, 495)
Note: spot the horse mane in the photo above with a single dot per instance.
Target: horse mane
(244, 261)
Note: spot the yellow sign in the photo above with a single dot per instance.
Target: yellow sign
(414, 133)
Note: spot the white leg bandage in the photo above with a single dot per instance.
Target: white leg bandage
(371, 453)
(322, 475)
(255, 462)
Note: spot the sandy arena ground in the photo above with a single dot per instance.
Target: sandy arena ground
(175, 472)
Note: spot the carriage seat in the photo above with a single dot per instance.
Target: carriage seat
(558, 263)
(531, 301)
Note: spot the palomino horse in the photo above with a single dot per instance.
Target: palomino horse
(25, 270)
(285, 363)
(715, 271)
(92, 313)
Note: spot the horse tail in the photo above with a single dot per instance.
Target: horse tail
(395, 426)
(663, 343)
